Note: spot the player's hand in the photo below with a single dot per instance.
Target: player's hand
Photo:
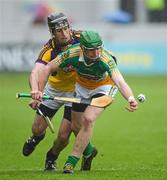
(37, 95)
(34, 104)
(132, 105)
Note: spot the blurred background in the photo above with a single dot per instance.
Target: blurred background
(131, 145)
(134, 30)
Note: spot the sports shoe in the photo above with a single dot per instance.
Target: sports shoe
(50, 165)
(68, 168)
(29, 146)
(87, 161)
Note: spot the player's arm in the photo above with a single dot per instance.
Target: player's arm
(125, 89)
(50, 68)
(43, 58)
(34, 79)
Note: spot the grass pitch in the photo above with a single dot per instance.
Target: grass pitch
(130, 145)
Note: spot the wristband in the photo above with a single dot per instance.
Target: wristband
(131, 98)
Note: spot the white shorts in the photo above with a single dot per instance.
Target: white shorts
(86, 94)
(55, 104)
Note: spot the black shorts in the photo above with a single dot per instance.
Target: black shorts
(51, 112)
(81, 107)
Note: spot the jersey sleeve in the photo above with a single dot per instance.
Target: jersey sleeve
(109, 59)
(111, 54)
(111, 63)
(69, 57)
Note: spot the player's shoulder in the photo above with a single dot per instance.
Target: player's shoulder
(107, 56)
(47, 48)
(74, 50)
(76, 33)
(71, 52)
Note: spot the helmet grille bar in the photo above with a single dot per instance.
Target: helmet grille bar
(59, 19)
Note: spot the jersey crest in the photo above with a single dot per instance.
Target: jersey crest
(65, 55)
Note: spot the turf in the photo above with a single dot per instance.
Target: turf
(130, 145)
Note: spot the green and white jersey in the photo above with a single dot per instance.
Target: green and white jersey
(89, 76)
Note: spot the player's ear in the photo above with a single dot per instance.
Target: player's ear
(50, 30)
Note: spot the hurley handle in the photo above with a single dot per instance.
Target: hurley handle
(28, 95)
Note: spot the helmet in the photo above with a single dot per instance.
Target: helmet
(90, 40)
(57, 21)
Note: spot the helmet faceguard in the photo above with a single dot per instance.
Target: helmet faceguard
(57, 21)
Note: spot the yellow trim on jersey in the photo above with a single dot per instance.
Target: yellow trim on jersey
(43, 51)
(92, 84)
(63, 81)
(74, 51)
(53, 43)
(47, 56)
(107, 59)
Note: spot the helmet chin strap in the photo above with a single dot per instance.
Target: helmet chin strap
(89, 61)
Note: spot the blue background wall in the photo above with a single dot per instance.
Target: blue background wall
(140, 58)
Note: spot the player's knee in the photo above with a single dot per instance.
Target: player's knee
(38, 129)
(87, 121)
(63, 136)
(75, 128)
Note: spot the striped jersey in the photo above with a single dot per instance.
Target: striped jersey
(89, 76)
(63, 81)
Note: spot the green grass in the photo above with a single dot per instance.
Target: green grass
(131, 145)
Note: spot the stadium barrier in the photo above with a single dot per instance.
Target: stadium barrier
(138, 58)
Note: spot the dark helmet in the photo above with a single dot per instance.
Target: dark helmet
(90, 39)
(57, 21)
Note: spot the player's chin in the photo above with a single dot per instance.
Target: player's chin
(64, 41)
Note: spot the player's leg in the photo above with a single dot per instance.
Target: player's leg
(83, 138)
(38, 130)
(90, 151)
(61, 140)
(48, 108)
(88, 120)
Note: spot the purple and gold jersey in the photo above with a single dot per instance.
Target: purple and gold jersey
(63, 81)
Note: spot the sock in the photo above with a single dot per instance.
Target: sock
(72, 160)
(88, 150)
(50, 156)
(38, 138)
